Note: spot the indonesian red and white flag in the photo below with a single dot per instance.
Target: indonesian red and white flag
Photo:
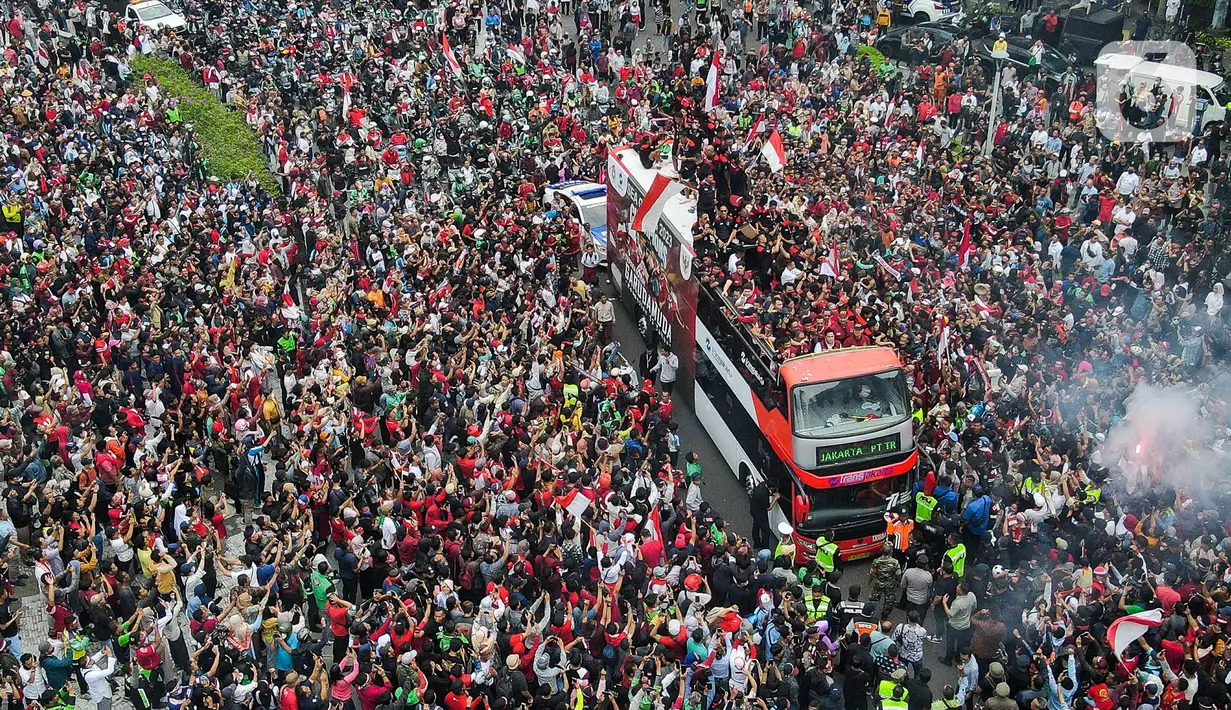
(1127, 629)
(831, 265)
(663, 189)
(655, 524)
(712, 82)
(516, 54)
(347, 81)
(450, 57)
(965, 248)
(44, 56)
(773, 152)
(756, 131)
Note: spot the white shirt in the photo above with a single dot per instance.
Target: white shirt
(123, 551)
(34, 682)
(388, 532)
(1124, 217)
(1128, 183)
(96, 679)
(667, 367)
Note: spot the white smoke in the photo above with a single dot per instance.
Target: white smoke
(1168, 438)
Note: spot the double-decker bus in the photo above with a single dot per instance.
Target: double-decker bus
(831, 432)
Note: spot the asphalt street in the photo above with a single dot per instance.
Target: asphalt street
(721, 489)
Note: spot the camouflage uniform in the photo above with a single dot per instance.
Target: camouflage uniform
(885, 573)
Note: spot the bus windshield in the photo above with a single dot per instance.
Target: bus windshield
(831, 507)
(850, 406)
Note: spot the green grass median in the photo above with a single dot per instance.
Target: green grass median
(227, 142)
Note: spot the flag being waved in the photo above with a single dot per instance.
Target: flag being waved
(1127, 629)
(756, 131)
(965, 249)
(773, 152)
(450, 57)
(712, 82)
(655, 200)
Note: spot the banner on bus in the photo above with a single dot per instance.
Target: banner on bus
(653, 270)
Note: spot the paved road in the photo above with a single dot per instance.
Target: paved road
(721, 489)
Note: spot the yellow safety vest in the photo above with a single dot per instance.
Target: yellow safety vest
(817, 608)
(885, 690)
(924, 506)
(891, 704)
(957, 555)
(12, 213)
(943, 704)
(826, 554)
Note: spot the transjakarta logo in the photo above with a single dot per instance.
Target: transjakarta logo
(847, 479)
(1138, 101)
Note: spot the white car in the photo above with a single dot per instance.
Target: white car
(932, 11)
(155, 15)
(590, 201)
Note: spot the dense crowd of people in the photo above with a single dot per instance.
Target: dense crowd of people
(367, 440)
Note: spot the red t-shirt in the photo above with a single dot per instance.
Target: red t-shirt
(456, 701)
(60, 618)
(337, 619)
(289, 699)
(652, 553)
(1167, 597)
(148, 658)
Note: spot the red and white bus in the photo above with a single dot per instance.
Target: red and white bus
(831, 432)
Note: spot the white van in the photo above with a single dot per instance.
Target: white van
(590, 200)
(1202, 91)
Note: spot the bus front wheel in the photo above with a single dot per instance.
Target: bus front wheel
(744, 475)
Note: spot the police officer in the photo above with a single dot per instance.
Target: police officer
(893, 695)
(925, 505)
(826, 555)
(816, 605)
(884, 576)
(948, 700)
(851, 609)
(956, 555)
(786, 541)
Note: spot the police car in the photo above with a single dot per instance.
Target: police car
(589, 201)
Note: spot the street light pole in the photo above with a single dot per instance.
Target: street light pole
(994, 113)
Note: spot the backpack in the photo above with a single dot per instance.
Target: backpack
(504, 684)
(468, 574)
